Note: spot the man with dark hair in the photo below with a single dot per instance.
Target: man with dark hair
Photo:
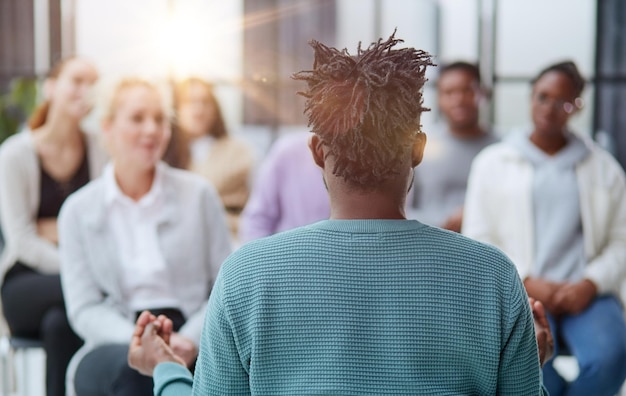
(366, 302)
(441, 179)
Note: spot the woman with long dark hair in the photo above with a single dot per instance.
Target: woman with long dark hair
(39, 169)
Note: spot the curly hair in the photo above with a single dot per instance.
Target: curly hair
(366, 108)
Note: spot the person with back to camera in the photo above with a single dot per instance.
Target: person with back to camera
(556, 204)
(366, 302)
(223, 160)
(39, 168)
(441, 179)
(144, 236)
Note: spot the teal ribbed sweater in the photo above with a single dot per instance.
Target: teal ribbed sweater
(355, 307)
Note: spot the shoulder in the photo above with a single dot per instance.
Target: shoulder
(467, 250)
(185, 183)
(599, 155)
(235, 148)
(289, 145)
(15, 147)
(86, 202)
(235, 143)
(602, 166)
(86, 197)
(502, 150)
(183, 178)
(490, 138)
(479, 263)
(489, 160)
(496, 151)
(455, 251)
(269, 250)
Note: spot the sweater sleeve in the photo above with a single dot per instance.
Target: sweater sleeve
(261, 215)
(519, 370)
(89, 315)
(18, 217)
(220, 369)
(172, 379)
(218, 250)
(608, 269)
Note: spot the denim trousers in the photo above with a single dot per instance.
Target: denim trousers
(597, 339)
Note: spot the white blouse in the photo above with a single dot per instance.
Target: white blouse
(143, 272)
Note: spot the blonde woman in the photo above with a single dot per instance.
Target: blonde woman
(144, 236)
(39, 168)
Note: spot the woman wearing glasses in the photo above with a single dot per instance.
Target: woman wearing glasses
(556, 204)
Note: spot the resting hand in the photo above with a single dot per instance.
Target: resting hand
(573, 298)
(47, 229)
(184, 348)
(545, 342)
(149, 344)
(544, 291)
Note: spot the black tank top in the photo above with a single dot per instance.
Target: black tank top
(53, 192)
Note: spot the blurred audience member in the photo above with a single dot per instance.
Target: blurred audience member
(223, 160)
(556, 204)
(144, 236)
(39, 168)
(288, 192)
(441, 180)
(177, 153)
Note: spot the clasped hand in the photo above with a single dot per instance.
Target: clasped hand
(562, 298)
(154, 341)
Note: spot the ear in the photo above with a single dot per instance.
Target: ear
(418, 149)
(317, 150)
(48, 88)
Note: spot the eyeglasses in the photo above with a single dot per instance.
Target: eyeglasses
(559, 104)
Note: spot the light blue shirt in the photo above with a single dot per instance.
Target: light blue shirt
(559, 244)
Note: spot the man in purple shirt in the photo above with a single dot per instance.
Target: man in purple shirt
(288, 192)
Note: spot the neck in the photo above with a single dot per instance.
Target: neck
(61, 130)
(550, 143)
(133, 183)
(347, 203)
(471, 131)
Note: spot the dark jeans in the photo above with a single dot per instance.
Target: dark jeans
(104, 371)
(33, 307)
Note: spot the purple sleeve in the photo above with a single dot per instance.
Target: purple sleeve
(262, 212)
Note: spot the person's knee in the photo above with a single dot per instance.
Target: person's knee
(131, 383)
(607, 367)
(54, 325)
(105, 371)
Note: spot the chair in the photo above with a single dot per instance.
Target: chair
(8, 346)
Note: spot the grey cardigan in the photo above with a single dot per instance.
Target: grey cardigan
(194, 240)
(20, 179)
